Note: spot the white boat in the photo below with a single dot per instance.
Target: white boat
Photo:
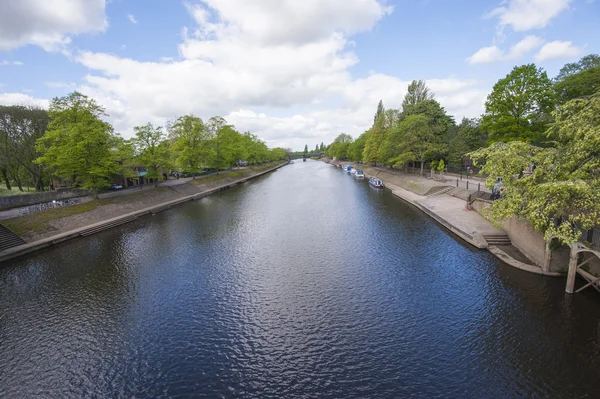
(349, 169)
(375, 182)
(345, 168)
(359, 174)
(353, 172)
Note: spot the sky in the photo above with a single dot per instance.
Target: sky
(294, 72)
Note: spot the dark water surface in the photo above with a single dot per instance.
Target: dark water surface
(301, 284)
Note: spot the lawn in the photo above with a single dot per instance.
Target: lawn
(15, 191)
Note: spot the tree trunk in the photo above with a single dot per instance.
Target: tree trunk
(19, 183)
(95, 193)
(5, 178)
(422, 164)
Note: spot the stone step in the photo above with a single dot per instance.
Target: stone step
(8, 239)
(497, 239)
(97, 229)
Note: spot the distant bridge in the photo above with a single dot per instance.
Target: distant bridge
(302, 155)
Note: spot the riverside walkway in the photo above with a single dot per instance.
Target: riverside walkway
(191, 193)
(442, 202)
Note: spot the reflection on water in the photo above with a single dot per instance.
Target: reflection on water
(303, 283)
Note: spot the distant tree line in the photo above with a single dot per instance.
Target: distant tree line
(519, 108)
(73, 141)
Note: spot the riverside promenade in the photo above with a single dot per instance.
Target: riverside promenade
(188, 191)
(444, 204)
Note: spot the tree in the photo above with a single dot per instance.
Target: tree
(375, 138)
(322, 147)
(78, 143)
(356, 148)
(152, 150)
(339, 147)
(380, 111)
(191, 144)
(414, 140)
(519, 106)
(589, 61)
(20, 127)
(562, 196)
(317, 148)
(417, 92)
(467, 137)
(578, 79)
(306, 149)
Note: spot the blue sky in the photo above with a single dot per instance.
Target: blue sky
(292, 72)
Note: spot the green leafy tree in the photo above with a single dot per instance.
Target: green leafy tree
(339, 147)
(356, 148)
(77, 145)
(467, 137)
(380, 111)
(322, 147)
(306, 149)
(191, 144)
(562, 196)
(20, 127)
(519, 106)
(578, 79)
(589, 61)
(413, 141)
(417, 92)
(152, 150)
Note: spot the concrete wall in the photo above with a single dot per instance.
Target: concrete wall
(529, 241)
(16, 201)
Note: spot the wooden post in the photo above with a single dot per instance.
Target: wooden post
(572, 270)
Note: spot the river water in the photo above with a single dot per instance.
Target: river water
(303, 283)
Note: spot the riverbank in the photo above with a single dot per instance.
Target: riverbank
(447, 206)
(47, 228)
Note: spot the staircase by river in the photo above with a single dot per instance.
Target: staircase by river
(497, 239)
(8, 239)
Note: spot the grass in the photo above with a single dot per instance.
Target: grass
(4, 192)
(38, 221)
(235, 173)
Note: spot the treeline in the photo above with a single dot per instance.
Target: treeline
(519, 108)
(73, 142)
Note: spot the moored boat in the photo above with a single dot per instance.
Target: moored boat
(359, 174)
(349, 169)
(375, 182)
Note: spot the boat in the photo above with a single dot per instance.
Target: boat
(375, 182)
(359, 174)
(349, 169)
(353, 172)
(345, 168)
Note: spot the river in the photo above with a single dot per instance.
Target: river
(303, 283)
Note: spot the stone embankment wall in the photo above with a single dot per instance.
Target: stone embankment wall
(16, 201)
(528, 240)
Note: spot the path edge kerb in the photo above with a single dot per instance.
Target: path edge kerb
(28, 248)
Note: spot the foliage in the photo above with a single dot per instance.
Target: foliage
(152, 150)
(78, 143)
(191, 144)
(584, 83)
(519, 106)
(339, 147)
(417, 92)
(589, 61)
(414, 140)
(562, 195)
(467, 137)
(20, 127)
(356, 149)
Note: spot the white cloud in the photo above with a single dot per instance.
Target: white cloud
(289, 86)
(491, 54)
(132, 19)
(524, 15)
(286, 21)
(9, 63)
(558, 49)
(48, 24)
(22, 99)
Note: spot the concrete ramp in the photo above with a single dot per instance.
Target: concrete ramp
(187, 189)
